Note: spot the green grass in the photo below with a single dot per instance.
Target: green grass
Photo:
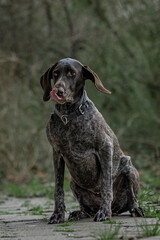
(108, 234)
(151, 180)
(6, 213)
(13, 213)
(109, 222)
(152, 212)
(32, 210)
(34, 189)
(66, 224)
(38, 210)
(26, 203)
(48, 203)
(148, 196)
(150, 230)
(67, 184)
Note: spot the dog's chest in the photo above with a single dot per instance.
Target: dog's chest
(77, 146)
(77, 138)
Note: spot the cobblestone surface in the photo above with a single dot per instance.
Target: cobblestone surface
(26, 219)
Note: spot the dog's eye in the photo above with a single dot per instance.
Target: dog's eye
(69, 74)
(55, 74)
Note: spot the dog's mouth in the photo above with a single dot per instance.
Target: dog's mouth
(59, 99)
(54, 96)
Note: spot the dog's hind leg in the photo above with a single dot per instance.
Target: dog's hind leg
(128, 189)
(120, 195)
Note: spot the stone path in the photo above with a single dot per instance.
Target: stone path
(26, 219)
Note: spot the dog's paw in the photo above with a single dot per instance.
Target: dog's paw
(137, 212)
(77, 215)
(56, 218)
(103, 214)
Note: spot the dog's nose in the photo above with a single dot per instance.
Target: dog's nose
(60, 91)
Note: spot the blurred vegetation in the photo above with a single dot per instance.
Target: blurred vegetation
(119, 40)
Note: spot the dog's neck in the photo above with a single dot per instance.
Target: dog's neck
(68, 107)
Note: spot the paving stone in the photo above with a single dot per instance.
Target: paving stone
(18, 223)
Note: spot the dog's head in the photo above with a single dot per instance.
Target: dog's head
(69, 77)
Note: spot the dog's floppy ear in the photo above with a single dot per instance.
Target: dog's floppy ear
(45, 81)
(90, 74)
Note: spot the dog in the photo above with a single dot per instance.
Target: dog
(103, 179)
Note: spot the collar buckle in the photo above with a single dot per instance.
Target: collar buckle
(81, 110)
(64, 119)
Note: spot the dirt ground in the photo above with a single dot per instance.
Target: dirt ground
(26, 219)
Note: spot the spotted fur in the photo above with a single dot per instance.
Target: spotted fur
(103, 179)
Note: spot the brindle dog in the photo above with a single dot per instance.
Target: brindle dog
(103, 179)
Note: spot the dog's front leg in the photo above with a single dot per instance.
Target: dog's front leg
(58, 215)
(105, 158)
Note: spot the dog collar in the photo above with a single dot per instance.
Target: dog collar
(80, 110)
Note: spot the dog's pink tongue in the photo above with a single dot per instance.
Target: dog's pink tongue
(54, 96)
(54, 91)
